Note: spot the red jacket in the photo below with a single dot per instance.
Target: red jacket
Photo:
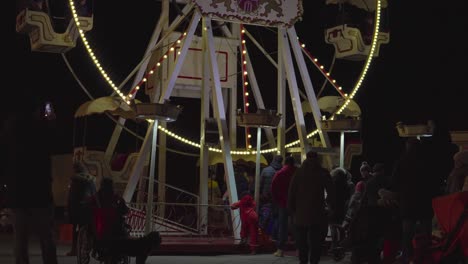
(247, 208)
(280, 185)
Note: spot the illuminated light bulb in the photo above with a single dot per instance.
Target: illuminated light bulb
(249, 136)
(246, 83)
(172, 49)
(243, 31)
(315, 60)
(244, 52)
(178, 53)
(178, 41)
(185, 33)
(165, 56)
(243, 41)
(340, 88)
(245, 62)
(333, 81)
(144, 80)
(328, 74)
(246, 93)
(128, 102)
(321, 67)
(130, 96)
(158, 64)
(250, 146)
(77, 23)
(151, 72)
(245, 73)
(137, 88)
(247, 104)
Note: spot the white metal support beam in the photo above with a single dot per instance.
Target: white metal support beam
(141, 67)
(232, 92)
(252, 80)
(222, 127)
(162, 150)
(308, 86)
(204, 155)
(294, 91)
(258, 97)
(135, 174)
(150, 196)
(281, 91)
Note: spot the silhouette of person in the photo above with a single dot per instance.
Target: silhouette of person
(27, 140)
(306, 202)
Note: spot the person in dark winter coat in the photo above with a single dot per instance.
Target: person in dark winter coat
(266, 176)
(265, 202)
(415, 189)
(359, 217)
(358, 195)
(28, 141)
(82, 187)
(306, 202)
(343, 194)
(279, 191)
(336, 217)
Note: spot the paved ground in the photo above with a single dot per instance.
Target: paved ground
(6, 256)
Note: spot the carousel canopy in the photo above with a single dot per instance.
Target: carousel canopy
(331, 104)
(101, 105)
(217, 158)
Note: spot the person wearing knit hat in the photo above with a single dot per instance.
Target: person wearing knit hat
(365, 167)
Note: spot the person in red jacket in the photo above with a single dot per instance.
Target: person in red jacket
(279, 192)
(249, 220)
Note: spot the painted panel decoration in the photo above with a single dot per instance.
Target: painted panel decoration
(260, 12)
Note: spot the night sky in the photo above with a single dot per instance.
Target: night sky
(420, 74)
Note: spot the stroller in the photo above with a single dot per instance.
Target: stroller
(451, 212)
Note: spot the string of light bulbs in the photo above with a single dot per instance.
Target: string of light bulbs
(245, 93)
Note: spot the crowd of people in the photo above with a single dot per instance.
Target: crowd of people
(387, 215)
(391, 213)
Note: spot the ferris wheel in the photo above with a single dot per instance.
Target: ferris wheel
(209, 51)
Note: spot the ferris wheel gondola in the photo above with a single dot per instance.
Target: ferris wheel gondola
(352, 29)
(45, 30)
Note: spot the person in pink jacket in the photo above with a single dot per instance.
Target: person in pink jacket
(249, 220)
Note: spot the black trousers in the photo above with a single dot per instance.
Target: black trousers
(42, 221)
(309, 241)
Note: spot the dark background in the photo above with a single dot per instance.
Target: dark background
(421, 74)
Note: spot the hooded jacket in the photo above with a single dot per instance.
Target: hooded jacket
(267, 175)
